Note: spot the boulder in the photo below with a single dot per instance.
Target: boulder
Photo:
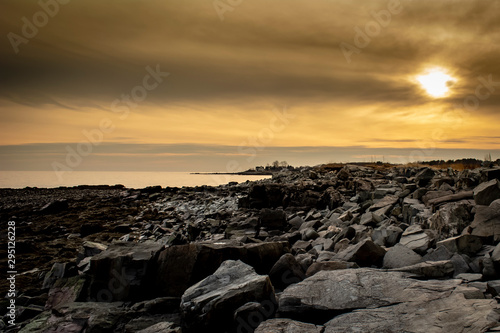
(124, 271)
(387, 236)
(417, 239)
(487, 192)
(182, 266)
(66, 291)
(467, 244)
(401, 256)
(424, 176)
(365, 254)
(486, 221)
(452, 218)
(287, 326)
(286, 271)
(327, 293)
(209, 305)
(451, 314)
(273, 219)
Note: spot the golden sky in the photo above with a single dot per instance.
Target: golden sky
(249, 81)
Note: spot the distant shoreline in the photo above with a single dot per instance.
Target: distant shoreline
(243, 173)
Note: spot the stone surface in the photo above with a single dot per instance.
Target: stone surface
(419, 241)
(430, 269)
(210, 304)
(365, 254)
(286, 271)
(123, 271)
(487, 221)
(182, 266)
(401, 256)
(287, 326)
(451, 314)
(467, 244)
(487, 192)
(329, 266)
(327, 293)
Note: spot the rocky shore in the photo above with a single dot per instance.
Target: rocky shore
(340, 249)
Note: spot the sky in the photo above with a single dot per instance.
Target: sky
(225, 85)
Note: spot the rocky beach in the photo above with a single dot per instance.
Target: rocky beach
(334, 248)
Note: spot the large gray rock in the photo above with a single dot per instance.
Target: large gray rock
(487, 221)
(287, 326)
(450, 314)
(327, 293)
(209, 305)
(365, 254)
(182, 266)
(417, 239)
(487, 192)
(401, 256)
(286, 271)
(387, 236)
(430, 269)
(424, 176)
(452, 218)
(124, 271)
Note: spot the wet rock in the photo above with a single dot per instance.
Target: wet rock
(487, 192)
(210, 304)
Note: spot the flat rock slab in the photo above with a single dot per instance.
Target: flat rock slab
(287, 326)
(329, 293)
(451, 314)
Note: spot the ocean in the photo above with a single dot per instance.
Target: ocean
(48, 179)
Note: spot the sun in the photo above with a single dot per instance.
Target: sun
(436, 82)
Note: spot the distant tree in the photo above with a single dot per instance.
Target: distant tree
(284, 164)
(276, 164)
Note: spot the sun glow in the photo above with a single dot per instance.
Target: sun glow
(436, 82)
